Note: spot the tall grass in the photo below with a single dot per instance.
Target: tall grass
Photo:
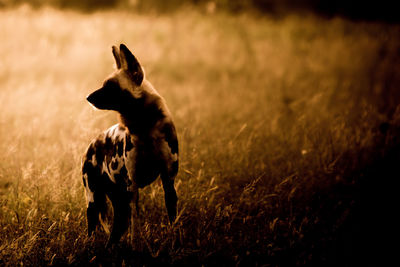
(277, 119)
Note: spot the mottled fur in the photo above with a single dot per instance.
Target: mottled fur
(132, 153)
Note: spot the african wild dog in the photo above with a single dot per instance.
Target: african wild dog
(133, 153)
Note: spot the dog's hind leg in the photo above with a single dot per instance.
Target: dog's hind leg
(122, 213)
(96, 205)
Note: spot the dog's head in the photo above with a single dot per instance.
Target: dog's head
(123, 86)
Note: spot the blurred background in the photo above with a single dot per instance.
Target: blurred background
(357, 9)
(287, 113)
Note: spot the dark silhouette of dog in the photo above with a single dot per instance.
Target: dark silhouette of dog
(131, 154)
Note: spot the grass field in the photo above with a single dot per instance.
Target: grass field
(284, 127)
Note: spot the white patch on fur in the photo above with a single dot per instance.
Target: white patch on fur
(174, 157)
(89, 196)
(120, 161)
(167, 153)
(93, 160)
(104, 169)
(89, 193)
(112, 129)
(115, 133)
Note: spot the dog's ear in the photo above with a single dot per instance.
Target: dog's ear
(130, 63)
(116, 56)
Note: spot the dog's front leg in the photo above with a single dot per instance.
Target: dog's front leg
(171, 198)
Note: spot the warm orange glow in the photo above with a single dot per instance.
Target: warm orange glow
(269, 113)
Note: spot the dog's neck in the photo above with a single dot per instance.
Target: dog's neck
(141, 120)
